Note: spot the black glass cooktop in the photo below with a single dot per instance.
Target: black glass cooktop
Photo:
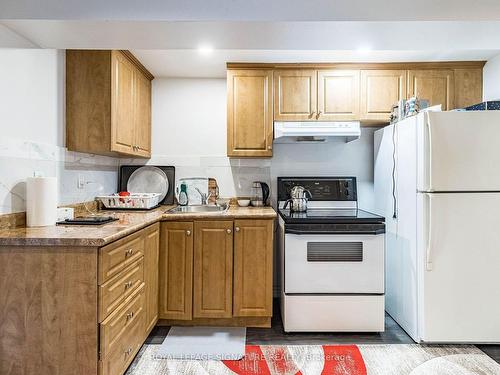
(327, 215)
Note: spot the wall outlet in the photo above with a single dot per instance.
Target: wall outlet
(81, 181)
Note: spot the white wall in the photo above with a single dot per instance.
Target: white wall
(491, 79)
(32, 132)
(189, 132)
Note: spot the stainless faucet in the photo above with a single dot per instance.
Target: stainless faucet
(204, 197)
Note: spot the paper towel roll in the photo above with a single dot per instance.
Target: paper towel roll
(41, 201)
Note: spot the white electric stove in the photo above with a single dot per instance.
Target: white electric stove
(331, 259)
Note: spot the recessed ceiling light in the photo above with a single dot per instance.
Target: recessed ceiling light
(363, 49)
(205, 50)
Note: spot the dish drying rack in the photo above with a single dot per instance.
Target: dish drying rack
(132, 201)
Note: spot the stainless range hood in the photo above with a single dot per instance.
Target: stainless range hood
(315, 131)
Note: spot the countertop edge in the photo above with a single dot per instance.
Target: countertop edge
(102, 241)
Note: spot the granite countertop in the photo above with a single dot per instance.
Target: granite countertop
(129, 222)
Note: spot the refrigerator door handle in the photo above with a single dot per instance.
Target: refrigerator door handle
(429, 155)
(428, 261)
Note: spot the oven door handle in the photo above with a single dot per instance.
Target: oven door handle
(309, 232)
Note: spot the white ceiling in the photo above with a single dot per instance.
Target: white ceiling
(165, 35)
(190, 63)
(252, 10)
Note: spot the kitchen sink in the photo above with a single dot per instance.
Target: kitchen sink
(195, 209)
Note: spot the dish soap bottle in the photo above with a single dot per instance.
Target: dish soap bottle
(183, 197)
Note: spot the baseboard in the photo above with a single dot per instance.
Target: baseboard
(259, 322)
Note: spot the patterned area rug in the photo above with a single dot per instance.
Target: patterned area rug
(328, 359)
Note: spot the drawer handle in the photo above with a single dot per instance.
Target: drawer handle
(188, 233)
(128, 284)
(130, 315)
(129, 252)
(128, 351)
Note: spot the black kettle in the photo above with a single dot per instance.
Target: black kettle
(260, 194)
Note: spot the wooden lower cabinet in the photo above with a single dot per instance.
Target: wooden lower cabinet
(77, 310)
(216, 272)
(151, 268)
(213, 269)
(176, 271)
(253, 268)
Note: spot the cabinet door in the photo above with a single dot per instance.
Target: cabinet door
(253, 268)
(123, 108)
(380, 90)
(176, 270)
(437, 86)
(338, 95)
(295, 95)
(213, 269)
(468, 87)
(151, 260)
(142, 114)
(249, 113)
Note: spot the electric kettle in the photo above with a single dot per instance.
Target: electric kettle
(260, 194)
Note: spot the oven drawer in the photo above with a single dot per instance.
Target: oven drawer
(352, 264)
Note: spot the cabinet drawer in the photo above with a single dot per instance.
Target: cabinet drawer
(117, 361)
(114, 331)
(115, 257)
(114, 291)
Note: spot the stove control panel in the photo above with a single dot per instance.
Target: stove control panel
(321, 188)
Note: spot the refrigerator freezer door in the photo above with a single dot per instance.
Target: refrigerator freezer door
(458, 267)
(458, 151)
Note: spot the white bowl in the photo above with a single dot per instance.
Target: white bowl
(243, 202)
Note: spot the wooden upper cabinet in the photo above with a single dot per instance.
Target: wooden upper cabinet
(253, 268)
(338, 95)
(249, 113)
(435, 85)
(380, 90)
(176, 271)
(142, 116)
(468, 86)
(295, 95)
(108, 103)
(123, 104)
(213, 269)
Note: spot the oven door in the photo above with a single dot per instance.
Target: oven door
(334, 263)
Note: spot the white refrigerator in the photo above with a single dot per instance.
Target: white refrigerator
(437, 182)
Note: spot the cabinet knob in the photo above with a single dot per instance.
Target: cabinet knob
(188, 233)
(129, 252)
(228, 231)
(237, 229)
(319, 114)
(312, 114)
(269, 147)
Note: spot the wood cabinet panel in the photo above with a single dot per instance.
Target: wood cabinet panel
(468, 87)
(249, 113)
(123, 99)
(295, 94)
(253, 268)
(114, 291)
(48, 320)
(437, 86)
(142, 105)
(113, 330)
(176, 270)
(380, 90)
(213, 269)
(338, 95)
(151, 269)
(115, 257)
